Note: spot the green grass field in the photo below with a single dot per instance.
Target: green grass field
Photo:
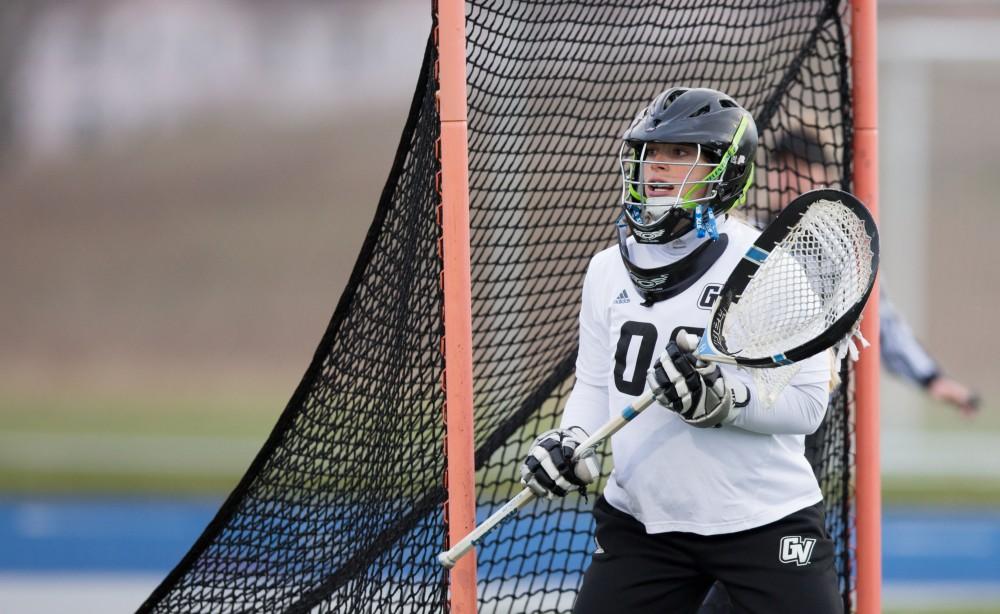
(131, 444)
(189, 444)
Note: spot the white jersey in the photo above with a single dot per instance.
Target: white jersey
(669, 475)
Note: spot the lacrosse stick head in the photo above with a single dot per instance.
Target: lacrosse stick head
(799, 290)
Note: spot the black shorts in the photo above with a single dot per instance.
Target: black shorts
(785, 567)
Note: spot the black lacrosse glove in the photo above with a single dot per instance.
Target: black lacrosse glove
(549, 469)
(696, 390)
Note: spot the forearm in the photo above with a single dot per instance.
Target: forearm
(586, 407)
(902, 353)
(799, 408)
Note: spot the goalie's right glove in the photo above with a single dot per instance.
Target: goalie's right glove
(549, 469)
(696, 390)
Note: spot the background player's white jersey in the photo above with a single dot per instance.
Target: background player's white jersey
(669, 475)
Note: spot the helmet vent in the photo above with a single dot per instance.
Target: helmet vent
(672, 96)
(729, 104)
(702, 111)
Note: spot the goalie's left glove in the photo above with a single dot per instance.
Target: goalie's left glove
(696, 390)
(550, 469)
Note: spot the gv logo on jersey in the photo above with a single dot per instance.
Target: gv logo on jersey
(708, 295)
(796, 549)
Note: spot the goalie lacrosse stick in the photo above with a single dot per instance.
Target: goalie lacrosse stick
(798, 291)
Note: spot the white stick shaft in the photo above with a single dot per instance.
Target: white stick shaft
(615, 424)
(451, 556)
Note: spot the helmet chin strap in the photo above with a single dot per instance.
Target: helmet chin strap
(657, 206)
(704, 217)
(704, 221)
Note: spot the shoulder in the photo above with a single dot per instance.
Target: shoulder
(604, 263)
(742, 228)
(741, 234)
(604, 273)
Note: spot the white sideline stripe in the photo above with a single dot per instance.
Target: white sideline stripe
(64, 592)
(940, 454)
(124, 454)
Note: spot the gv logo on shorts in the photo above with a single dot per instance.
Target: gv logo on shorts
(797, 549)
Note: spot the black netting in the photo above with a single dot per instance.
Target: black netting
(342, 505)
(341, 511)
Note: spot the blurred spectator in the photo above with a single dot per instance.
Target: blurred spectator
(800, 165)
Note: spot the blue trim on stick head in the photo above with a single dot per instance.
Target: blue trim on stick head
(756, 254)
(704, 349)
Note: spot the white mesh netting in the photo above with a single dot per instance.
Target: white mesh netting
(811, 279)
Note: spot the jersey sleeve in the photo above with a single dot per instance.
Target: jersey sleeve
(587, 405)
(799, 408)
(592, 359)
(902, 354)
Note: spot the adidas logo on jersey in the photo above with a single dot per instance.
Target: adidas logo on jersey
(622, 298)
(796, 549)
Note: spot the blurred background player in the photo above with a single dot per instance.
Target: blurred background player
(799, 165)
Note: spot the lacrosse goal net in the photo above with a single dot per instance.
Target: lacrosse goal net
(341, 511)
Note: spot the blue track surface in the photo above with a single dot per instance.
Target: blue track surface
(150, 536)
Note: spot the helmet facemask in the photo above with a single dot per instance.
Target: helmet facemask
(715, 181)
(663, 184)
(659, 206)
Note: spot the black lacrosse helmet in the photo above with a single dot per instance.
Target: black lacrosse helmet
(726, 140)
